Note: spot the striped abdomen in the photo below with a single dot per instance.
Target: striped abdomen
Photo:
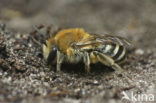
(115, 51)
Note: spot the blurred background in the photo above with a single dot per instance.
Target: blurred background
(27, 78)
(100, 16)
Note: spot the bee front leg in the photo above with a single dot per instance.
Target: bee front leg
(60, 58)
(86, 61)
(104, 59)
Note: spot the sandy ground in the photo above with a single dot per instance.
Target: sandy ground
(26, 78)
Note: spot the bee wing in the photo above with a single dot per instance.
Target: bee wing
(118, 40)
(86, 42)
(96, 39)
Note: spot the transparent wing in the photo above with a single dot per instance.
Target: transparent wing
(96, 39)
(119, 40)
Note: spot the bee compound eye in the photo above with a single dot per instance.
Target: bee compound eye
(52, 54)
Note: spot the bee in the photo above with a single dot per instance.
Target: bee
(74, 45)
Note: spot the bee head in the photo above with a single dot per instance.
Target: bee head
(52, 54)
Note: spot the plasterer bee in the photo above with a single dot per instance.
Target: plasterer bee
(75, 45)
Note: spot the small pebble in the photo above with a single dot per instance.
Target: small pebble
(139, 52)
(0, 73)
(96, 82)
(42, 74)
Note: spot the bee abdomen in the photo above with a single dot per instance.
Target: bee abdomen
(120, 54)
(115, 51)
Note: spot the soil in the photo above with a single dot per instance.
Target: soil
(25, 76)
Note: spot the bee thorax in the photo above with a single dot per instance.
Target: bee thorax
(74, 56)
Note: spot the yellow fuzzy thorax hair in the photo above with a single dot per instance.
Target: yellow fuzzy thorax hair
(63, 40)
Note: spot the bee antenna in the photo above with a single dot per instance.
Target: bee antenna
(37, 29)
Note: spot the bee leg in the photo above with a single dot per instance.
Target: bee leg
(108, 62)
(86, 61)
(60, 58)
